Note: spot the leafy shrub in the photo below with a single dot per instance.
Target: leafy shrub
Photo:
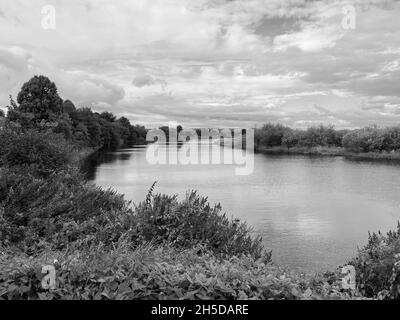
(192, 222)
(373, 139)
(374, 264)
(363, 140)
(391, 139)
(160, 272)
(61, 208)
(273, 135)
(291, 138)
(270, 135)
(39, 152)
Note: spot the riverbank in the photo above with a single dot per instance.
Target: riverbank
(330, 152)
(103, 247)
(107, 249)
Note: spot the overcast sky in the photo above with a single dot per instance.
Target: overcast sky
(211, 62)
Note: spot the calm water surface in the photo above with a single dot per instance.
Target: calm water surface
(312, 212)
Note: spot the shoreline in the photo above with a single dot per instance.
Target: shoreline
(331, 152)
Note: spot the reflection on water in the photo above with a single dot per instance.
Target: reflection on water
(89, 168)
(312, 212)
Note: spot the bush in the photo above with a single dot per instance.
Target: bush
(63, 209)
(192, 222)
(273, 135)
(60, 209)
(374, 265)
(39, 153)
(270, 135)
(160, 272)
(363, 140)
(373, 139)
(291, 138)
(320, 136)
(391, 139)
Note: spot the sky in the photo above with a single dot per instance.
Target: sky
(211, 63)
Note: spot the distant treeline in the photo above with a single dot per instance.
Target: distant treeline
(368, 139)
(39, 105)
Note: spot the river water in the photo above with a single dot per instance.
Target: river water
(312, 212)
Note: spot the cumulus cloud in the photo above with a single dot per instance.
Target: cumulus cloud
(142, 80)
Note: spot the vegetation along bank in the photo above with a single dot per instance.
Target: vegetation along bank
(163, 248)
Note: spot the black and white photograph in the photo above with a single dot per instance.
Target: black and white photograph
(197, 150)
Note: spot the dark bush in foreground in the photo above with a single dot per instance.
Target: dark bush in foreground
(158, 273)
(64, 210)
(60, 209)
(375, 263)
(194, 221)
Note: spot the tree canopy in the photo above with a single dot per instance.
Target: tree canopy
(39, 96)
(39, 106)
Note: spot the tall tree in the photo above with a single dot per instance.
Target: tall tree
(68, 107)
(108, 116)
(39, 97)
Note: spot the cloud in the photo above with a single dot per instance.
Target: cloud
(90, 90)
(143, 80)
(211, 62)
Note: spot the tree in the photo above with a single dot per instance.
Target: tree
(81, 134)
(108, 116)
(139, 132)
(2, 119)
(39, 97)
(64, 126)
(290, 138)
(109, 135)
(366, 139)
(270, 135)
(126, 131)
(68, 107)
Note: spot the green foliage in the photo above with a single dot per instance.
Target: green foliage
(275, 135)
(192, 222)
(38, 152)
(60, 209)
(366, 140)
(320, 136)
(373, 139)
(108, 116)
(160, 272)
(270, 135)
(39, 96)
(374, 264)
(44, 198)
(68, 107)
(290, 139)
(39, 107)
(48, 211)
